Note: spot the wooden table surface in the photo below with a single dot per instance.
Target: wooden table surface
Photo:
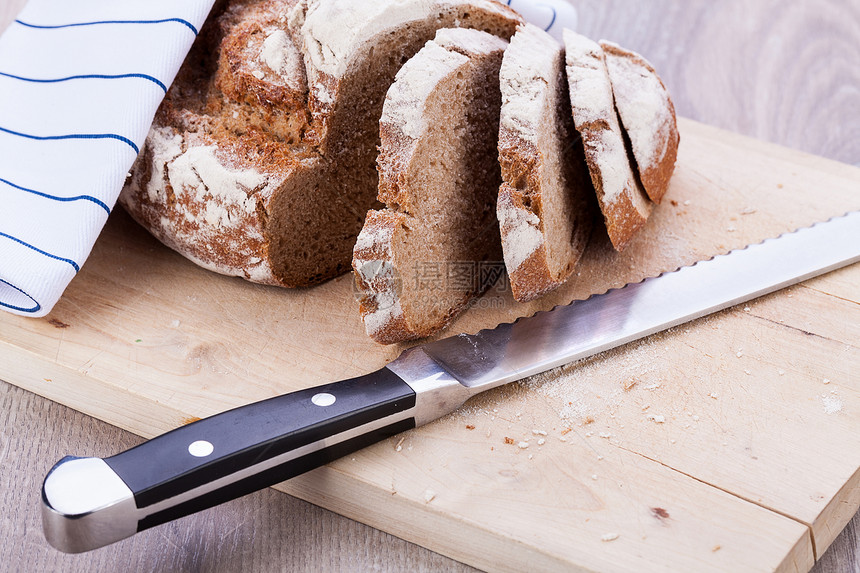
(781, 71)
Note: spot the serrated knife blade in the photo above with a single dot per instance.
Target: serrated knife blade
(567, 333)
(91, 502)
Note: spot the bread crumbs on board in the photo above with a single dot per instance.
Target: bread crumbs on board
(831, 404)
(580, 392)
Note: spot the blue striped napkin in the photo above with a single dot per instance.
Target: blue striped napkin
(80, 82)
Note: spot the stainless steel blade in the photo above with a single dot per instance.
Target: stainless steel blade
(535, 344)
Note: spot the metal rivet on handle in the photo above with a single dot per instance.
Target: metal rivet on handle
(200, 449)
(323, 399)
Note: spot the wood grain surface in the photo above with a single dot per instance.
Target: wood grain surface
(782, 72)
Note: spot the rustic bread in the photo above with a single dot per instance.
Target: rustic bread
(622, 200)
(545, 201)
(260, 163)
(647, 115)
(416, 260)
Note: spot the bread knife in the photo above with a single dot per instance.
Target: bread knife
(91, 502)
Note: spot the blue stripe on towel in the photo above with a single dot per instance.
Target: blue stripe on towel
(554, 16)
(156, 81)
(38, 250)
(61, 199)
(75, 136)
(35, 309)
(179, 20)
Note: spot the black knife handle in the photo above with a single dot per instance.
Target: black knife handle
(248, 436)
(220, 458)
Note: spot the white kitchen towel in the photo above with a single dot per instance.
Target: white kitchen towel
(80, 81)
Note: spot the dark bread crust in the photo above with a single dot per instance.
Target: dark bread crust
(623, 221)
(243, 42)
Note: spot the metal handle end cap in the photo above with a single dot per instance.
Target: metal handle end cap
(85, 505)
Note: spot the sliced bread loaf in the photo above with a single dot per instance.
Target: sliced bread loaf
(624, 203)
(545, 202)
(647, 115)
(416, 261)
(261, 161)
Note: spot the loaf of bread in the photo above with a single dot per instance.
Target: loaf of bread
(261, 160)
(622, 200)
(545, 202)
(416, 261)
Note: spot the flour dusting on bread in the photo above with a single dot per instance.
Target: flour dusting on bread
(280, 54)
(593, 104)
(622, 199)
(412, 85)
(521, 235)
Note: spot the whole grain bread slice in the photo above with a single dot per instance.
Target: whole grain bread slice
(545, 205)
(416, 261)
(622, 200)
(647, 115)
(261, 162)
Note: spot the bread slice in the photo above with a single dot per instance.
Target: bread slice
(545, 202)
(417, 261)
(623, 201)
(261, 162)
(647, 115)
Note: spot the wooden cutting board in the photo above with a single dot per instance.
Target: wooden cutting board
(730, 443)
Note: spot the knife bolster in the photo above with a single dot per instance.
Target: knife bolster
(437, 392)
